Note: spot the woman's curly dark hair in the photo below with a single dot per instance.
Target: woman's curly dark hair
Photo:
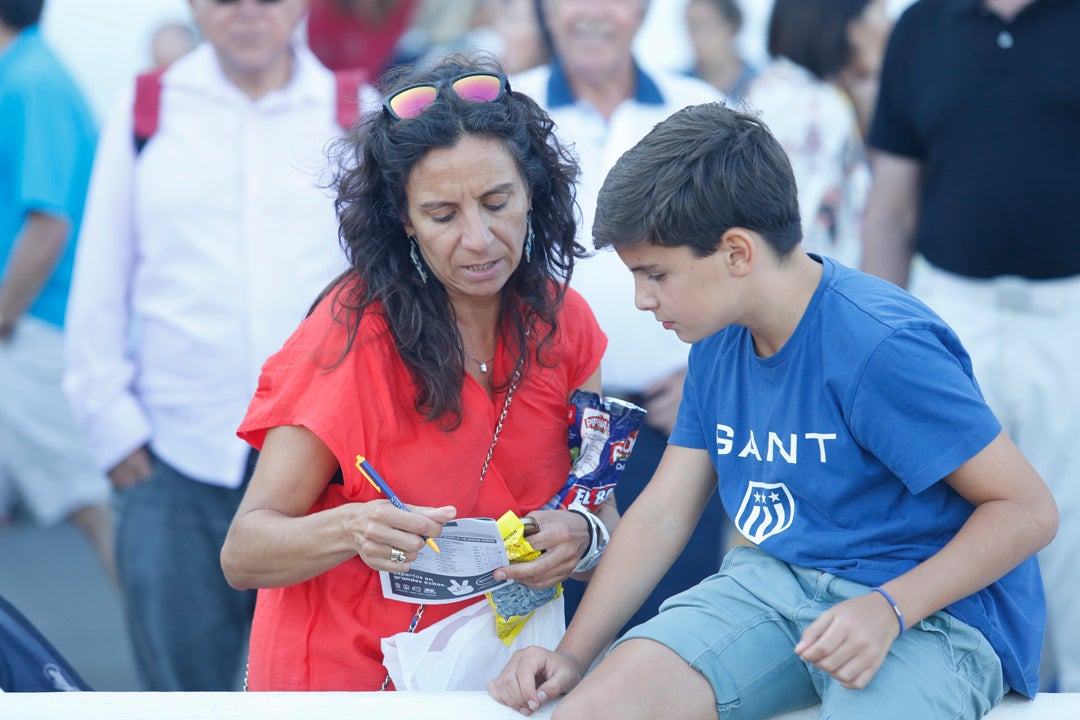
(374, 163)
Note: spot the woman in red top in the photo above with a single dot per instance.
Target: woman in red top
(457, 216)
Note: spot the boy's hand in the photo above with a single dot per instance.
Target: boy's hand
(516, 686)
(850, 641)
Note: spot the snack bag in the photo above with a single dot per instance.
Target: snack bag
(601, 437)
(514, 604)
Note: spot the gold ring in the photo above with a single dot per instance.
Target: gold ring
(397, 555)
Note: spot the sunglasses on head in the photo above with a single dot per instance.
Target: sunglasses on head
(408, 102)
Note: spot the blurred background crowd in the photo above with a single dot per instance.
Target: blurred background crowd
(105, 42)
(812, 74)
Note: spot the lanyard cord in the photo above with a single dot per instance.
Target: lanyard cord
(483, 473)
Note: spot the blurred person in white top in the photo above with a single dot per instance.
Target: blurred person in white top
(198, 256)
(814, 95)
(603, 101)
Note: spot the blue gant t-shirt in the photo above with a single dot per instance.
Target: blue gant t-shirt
(830, 453)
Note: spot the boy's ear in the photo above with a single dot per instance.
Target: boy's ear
(739, 249)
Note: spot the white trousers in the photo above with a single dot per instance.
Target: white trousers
(1024, 340)
(42, 451)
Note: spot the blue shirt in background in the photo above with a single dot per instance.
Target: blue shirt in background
(47, 138)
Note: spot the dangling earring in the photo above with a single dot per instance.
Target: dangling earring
(529, 238)
(414, 255)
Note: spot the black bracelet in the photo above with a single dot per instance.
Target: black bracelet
(592, 532)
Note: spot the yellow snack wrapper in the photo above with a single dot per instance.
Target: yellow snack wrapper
(512, 530)
(515, 604)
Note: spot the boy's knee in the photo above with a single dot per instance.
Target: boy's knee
(581, 703)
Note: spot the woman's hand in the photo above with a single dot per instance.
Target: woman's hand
(378, 532)
(562, 539)
(275, 539)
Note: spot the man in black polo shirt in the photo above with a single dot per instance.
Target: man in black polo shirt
(976, 170)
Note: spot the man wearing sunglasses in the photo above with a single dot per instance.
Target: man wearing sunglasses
(200, 253)
(602, 103)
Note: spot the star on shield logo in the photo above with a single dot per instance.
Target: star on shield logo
(767, 509)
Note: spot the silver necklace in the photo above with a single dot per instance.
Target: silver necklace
(484, 366)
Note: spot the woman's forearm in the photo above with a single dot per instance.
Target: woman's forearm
(267, 549)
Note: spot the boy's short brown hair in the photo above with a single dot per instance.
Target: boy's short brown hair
(705, 169)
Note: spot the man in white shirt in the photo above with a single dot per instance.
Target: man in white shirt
(602, 103)
(199, 254)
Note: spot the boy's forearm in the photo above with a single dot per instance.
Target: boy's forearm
(999, 535)
(615, 592)
(650, 536)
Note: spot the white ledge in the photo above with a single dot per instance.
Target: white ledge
(401, 706)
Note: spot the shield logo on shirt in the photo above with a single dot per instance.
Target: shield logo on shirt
(767, 509)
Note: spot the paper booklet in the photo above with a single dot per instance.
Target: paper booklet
(472, 548)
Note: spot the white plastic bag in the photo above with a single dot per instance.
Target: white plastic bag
(463, 651)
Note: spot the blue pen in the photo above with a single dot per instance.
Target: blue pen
(376, 479)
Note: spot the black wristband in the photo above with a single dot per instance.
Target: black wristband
(592, 533)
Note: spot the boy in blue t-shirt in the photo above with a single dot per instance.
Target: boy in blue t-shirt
(894, 526)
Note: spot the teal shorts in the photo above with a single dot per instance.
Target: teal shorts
(738, 628)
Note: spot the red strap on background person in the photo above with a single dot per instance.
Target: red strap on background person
(147, 109)
(348, 84)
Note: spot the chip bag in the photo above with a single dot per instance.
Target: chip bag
(601, 438)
